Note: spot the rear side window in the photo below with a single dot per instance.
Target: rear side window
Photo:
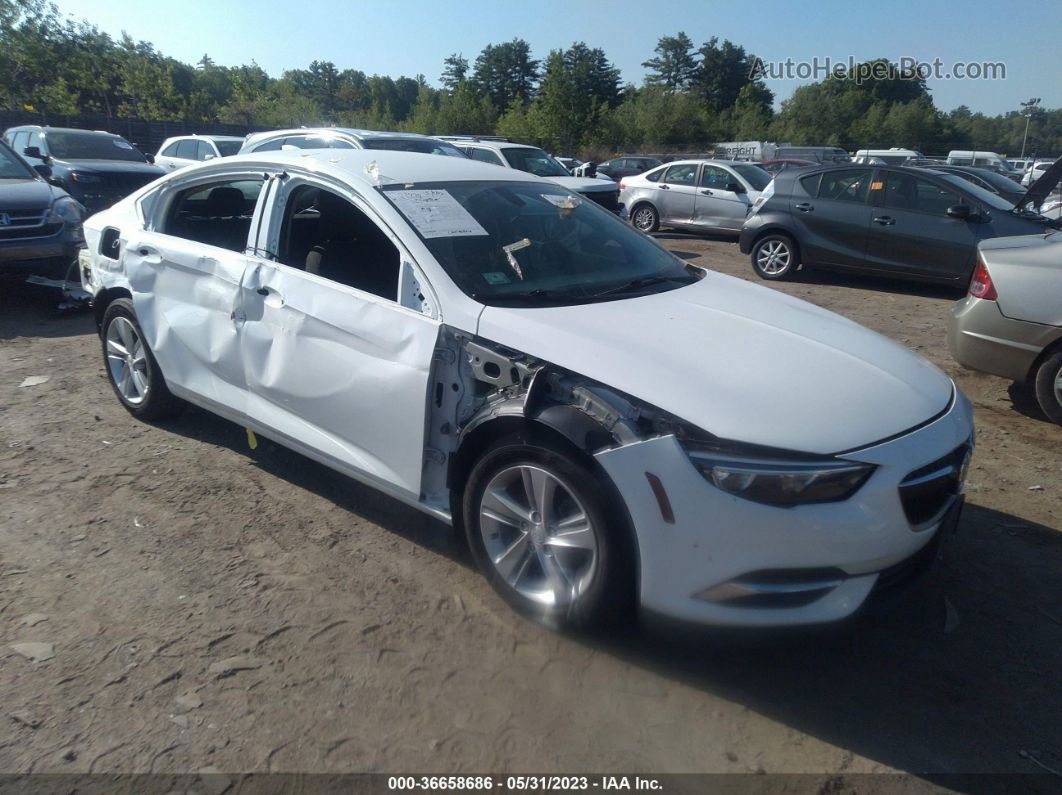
(850, 185)
(188, 149)
(270, 146)
(681, 175)
(217, 214)
(486, 156)
(171, 150)
(654, 176)
(810, 184)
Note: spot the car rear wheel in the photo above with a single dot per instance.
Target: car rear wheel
(1049, 386)
(538, 524)
(775, 257)
(645, 218)
(131, 367)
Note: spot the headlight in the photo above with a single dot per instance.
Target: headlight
(779, 481)
(84, 179)
(65, 210)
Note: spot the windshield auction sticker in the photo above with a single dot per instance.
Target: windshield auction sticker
(435, 213)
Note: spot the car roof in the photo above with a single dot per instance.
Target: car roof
(350, 132)
(488, 144)
(46, 129)
(394, 166)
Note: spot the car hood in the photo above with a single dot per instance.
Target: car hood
(584, 184)
(26, 194)
(110, 167)
(1043, 185)
(738, 360)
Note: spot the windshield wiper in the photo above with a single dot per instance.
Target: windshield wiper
(644, 281)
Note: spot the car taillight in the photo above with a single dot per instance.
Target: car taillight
(981, 284)
(623, 186)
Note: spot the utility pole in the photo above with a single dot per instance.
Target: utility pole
(1028, 108)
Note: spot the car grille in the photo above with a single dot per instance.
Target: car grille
(927, 491)
(25, 224)
(609, 199)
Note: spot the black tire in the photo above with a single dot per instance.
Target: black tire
(1049, 386)
(645, 218)
(785, 261)
(156, 401)
(607, 594)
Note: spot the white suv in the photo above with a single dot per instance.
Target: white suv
(346, 138)
(183, 150)
(536, 161)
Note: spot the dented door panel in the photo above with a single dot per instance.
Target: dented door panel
(343, 372)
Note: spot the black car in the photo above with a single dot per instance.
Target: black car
(96, 168)
(910, 223)
(619, 167)
(984, 178)
(40, 225)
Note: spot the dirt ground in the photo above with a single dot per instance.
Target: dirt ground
(212, 606)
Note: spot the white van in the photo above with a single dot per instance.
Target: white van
(889, 157)
(965, 157)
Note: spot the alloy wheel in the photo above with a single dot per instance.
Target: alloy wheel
(774, 257)
(643, 219)
(538, 535)
(127, 361)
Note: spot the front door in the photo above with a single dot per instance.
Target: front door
(335, 365)
(911, 233)
(717, 206)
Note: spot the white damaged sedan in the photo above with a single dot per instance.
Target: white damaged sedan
(608, 426)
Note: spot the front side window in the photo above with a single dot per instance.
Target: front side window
(205, 151)
(12, 166)
(425, 146)
(681, 175)
(534, 244)
(534, 161)
(324, 234)
(91, 146)
(905, 192)
(850, 185)
(715, 177)
(228, 148)
(216, 214)
(486, 156)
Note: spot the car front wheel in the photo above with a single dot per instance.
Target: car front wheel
(645, 218)
(539, 527)
(775, 257)
(131, 367)
(1049, 386)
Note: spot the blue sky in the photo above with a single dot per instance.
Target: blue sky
(413, 36)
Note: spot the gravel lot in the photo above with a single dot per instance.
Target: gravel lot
(210, 605)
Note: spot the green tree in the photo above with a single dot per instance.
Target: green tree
(455, 70)
(674, 66)
(506, 72)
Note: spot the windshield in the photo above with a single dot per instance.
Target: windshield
(1002, 185)
(12, 166)
(228, 148)
(756, 176)
(534, 244)
(426, 146)
(91, 146)
(993, 200)
(534, 161)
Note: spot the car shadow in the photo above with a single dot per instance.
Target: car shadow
(722, 237)
(961, 677)
(861, 281)
(1023, 399)
(30, 310)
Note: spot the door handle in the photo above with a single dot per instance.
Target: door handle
(664, 187)
(706, 192)
(804, 207)
(885, 220)
(262, 291)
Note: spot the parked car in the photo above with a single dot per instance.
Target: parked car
(40, 224)
(886, 220)
(97, 168)
(346, 138)
(983, 178)
(535, 161)
(1010, 323)
(481, 344)
(1036, 171)
(619, 167)
(699, 195)
(772, 167)
(569, 163)
(184, 150)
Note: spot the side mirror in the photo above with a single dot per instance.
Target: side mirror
(150, 158)
(44, 170)
(735, 187)
(209, 157)
(34, 152)
(960, 212)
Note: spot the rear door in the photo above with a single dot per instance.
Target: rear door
(830, 211)
(677, 194)
(185, 272)
(717, 206)
(910, 232)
